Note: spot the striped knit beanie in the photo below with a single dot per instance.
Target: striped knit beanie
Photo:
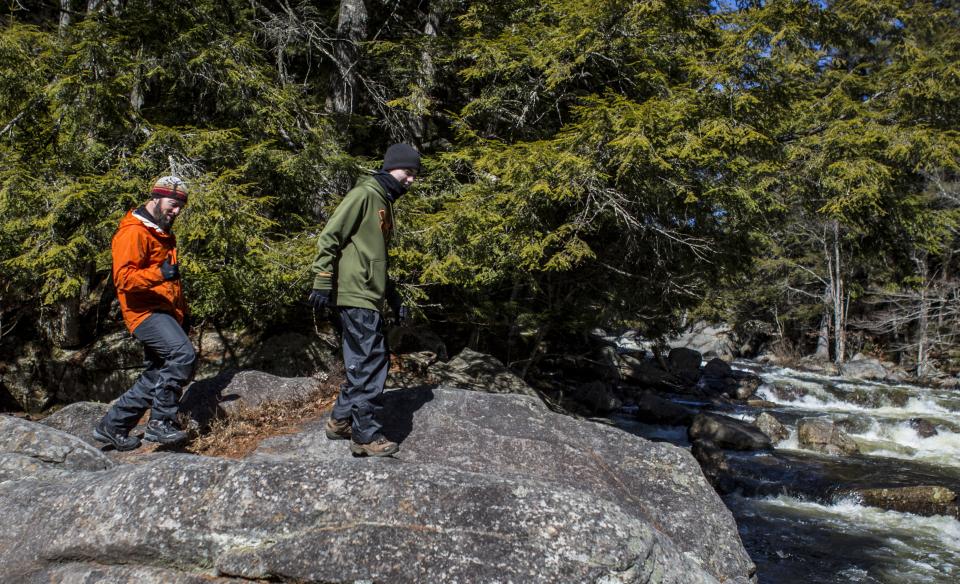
(169, 186)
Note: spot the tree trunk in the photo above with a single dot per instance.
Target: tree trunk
(823, 336)
(351, 29)
(837, 293)
(65, 14)
(923, 324)
(112, 6)
(419, 123)
(69, 323)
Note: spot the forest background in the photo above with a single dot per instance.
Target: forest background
(788, 167)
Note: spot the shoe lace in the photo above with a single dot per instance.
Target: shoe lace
(167, 426)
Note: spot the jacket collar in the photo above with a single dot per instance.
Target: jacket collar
(147, 219)
(391, 185)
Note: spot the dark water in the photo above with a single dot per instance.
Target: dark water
(794, 515)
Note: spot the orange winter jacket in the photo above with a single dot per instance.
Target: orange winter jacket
(139, 247)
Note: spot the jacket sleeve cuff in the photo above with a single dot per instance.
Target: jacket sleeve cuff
(322, 282)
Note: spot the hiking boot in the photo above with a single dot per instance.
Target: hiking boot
(379, 446)
(119, 439)
(338, 429)
(164, 432)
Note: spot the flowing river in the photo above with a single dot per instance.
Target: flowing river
(795, 516)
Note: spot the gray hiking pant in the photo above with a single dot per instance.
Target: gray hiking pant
(169, 357)
(366, 360)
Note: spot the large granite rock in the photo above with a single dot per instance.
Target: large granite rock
(517, 438)
(485, 488)
(78, 419)
(478, 372)
(28, 449)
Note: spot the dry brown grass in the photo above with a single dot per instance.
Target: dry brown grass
(239, 434)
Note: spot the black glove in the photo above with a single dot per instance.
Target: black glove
(169, 271)
(400, 312)
(319, 299)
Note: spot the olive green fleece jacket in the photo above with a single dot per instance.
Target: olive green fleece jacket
(352, 248)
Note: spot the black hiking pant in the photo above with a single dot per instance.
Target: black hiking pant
(366, 360)
(169, 358)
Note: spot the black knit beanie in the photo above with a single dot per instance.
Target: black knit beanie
(401, 156)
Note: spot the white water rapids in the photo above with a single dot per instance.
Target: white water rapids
(880, 427)
(882, 546)
(791, 510)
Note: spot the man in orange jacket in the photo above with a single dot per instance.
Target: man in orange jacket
(146, 275)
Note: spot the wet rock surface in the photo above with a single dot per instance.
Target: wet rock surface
(485, 488)
(771, 426)
(727, 432)
(924, 428)
(654, 409)
(922, 500)
(685, 364)
(822, 435)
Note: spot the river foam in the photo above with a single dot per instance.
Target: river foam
(909, 548)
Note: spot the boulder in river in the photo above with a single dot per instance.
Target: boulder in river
(654, 409)
(597, 397)
(708, 339)
(822, 435)
(862, 367)
(727, 432)
(920, 500)
(717, 377)
(747, 384)
(772, 427)
(485, 488)
(924, 428)
(685, 364)
(647, 373)
(785, 391)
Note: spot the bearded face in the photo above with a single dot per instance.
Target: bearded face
(166, 212)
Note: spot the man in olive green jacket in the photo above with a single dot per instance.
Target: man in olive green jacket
(350, 273)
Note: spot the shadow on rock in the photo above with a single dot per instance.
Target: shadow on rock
(201, 401)
(399, 406)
